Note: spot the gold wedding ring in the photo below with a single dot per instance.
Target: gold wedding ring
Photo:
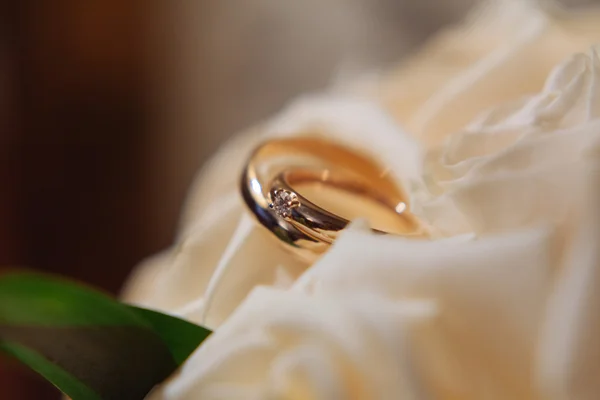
(305, 191)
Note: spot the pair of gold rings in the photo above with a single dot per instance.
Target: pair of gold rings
(305, 191)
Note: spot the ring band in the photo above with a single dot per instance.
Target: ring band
(308, 216)
(276, 168)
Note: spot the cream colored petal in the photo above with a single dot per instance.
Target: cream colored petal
(516, 167)
(504, 54)
(194, 259)
(567, 101)
(504, 202)
(453, 51)
(569, 351)
(466, 159)
(141, 285)
(252, 258)
(514, 201)
(180, 275)
(535, 181)
(550, 150)
(284, 345)
(491, 293)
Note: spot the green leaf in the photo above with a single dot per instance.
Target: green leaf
(87, 344)
(53, 373)
(180, 336)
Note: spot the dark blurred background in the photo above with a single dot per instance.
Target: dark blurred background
(107, 109)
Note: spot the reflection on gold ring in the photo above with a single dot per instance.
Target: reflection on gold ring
(306, 191)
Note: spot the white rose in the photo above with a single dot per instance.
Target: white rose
(222, 253)
(503, 304)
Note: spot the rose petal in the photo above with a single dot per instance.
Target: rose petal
(569, 352)
(491, 291)
(281, 344)
(480, 65)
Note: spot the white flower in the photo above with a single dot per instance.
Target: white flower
(300, 347)
(503, 303)
(517, 164)
(222, 253)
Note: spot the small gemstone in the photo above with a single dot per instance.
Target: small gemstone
(283, 203)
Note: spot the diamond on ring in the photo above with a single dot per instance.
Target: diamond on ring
(283, 202)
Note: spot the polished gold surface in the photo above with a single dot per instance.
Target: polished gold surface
(305, 191)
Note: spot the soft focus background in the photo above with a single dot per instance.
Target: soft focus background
(108, 108)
